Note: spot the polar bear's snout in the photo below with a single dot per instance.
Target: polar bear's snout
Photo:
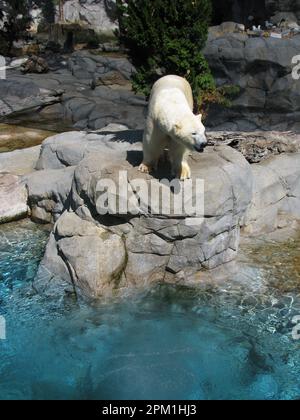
(200, 142)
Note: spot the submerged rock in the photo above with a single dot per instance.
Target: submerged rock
(15, 137)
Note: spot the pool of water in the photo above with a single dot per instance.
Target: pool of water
(226, 342)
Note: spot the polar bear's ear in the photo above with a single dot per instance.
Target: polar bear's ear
(199, 117)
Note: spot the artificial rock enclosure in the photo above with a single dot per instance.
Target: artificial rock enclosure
(251, 178)
(102, 254)
(116, 295)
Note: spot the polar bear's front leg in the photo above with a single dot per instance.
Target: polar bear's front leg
(185, 171)
(178, 157)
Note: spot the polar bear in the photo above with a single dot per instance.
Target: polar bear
(171, 124)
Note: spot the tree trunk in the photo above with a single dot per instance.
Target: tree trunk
(61, 11)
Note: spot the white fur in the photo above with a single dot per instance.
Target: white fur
(171, 124)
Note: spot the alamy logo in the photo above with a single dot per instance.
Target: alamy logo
(175, 198)
(2, 67)
(2, 328)
(296, 68)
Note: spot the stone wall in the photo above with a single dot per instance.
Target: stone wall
(269, 96)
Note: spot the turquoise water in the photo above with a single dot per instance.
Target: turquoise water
(229, 342)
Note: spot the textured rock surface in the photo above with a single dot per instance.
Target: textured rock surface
(97, 14)
(49, 193)
(84, 255)
(24, 96)
(20, 162)
(13, 198)
(276, 6)
(97, 91)
(276, 195)
(261, 67)
(258, 145)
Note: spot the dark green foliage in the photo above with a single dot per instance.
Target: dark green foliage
(48, 9)
(16, 22)
(166, 37)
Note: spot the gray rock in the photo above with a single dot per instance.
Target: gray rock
(20, 162)
(111, 101)
(91, 258)
(48, 193)
(23, 96)
(69, 149)
(97, 14)
(276, 197)
(261, 68)
(258, 145)
(13, 198)
(158, 241)
(287, 16)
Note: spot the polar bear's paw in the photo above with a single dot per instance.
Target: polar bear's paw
(185, 171)
(145, 169)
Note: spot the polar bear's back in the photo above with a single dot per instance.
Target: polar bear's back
(173, 82)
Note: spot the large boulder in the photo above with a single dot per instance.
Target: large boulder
(81, 254)
(69, 149)
(147, 241)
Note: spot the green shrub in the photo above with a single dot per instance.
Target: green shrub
(166, 37)
(48, 9)
(221, 96)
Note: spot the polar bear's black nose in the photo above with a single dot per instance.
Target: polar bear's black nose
(200, 144)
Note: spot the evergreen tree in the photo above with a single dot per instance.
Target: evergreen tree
(166, 37)
(16, 21)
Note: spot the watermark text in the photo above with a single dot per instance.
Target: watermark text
(2, 328)
(2, 67)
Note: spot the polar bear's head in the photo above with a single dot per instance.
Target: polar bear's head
(190, 132)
